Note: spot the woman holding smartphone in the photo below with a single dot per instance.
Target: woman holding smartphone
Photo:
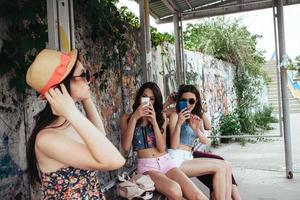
(186, 126)
(144, 130)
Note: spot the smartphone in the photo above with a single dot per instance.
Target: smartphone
(183, 105)
(146, 101)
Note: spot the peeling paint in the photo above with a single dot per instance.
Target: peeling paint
(113, 93)
(213, 78)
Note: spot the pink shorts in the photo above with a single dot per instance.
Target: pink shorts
(160, 164)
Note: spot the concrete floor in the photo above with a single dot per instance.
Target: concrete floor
(260, 167)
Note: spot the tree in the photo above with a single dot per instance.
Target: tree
(232, 42)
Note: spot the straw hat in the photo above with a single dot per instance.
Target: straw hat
(49, 68)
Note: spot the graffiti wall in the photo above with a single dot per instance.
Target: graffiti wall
(114, 86)
(213, 78)
(12, 139)
(113, 91)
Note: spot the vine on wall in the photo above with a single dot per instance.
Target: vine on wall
(27, 24)
(232, 42)
(27, 29)
(157, 38)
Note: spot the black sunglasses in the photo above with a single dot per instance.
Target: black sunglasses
(191, 100)
(85, 74)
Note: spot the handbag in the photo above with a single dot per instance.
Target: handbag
(143, 181)
(139, 186)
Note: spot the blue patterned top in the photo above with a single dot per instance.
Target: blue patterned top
(143, 138)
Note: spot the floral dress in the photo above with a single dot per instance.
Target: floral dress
(70, 183)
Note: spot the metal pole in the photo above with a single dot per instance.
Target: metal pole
(182, 50)
(179, 67)
(53, 42)
(145, 39)
(72, 24)
(244, 136)
(277, 72)
(60, 25)
(285, 100)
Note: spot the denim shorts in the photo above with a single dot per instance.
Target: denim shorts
(160, 164)
(179, 156)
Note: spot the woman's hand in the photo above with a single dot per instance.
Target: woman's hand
(172, 98)
(182, 116)
(141, 111)
(195, 122)
(152, 115)
(61, 102)
(165, 117)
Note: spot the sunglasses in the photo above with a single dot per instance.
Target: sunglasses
(85, 74)
(191, 101)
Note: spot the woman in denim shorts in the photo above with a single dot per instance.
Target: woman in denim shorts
(144, 130)
(186, 126)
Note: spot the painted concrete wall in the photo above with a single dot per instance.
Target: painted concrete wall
(114, 89)
(113, 93)
(213, 78)
(13, 181)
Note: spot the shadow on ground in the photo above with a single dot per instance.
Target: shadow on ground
(260, 167)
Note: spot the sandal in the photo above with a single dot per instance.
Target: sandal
(124, 177)
(146, 196)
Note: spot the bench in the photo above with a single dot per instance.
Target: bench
(110, 189)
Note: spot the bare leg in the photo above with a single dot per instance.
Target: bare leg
(228, 180)
(189, 189)
(202, 166)
(208, 178)
(235, 193)
(172, 191)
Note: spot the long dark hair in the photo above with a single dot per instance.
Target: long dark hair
(43, 119)
(158, 104)
(190, 88)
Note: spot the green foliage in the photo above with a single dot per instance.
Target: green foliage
(246, 118)
(297, 61)
(264, 118)
(108, 28)
(27, 26)
(157, 38)
(128, 16)
(27, 30)
(290, 65)
(229, 125)
(247, 88)
(226, 40)
(232, 42)
(109, 24)
(294, 65)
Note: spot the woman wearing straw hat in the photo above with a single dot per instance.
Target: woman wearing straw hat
(66, 147)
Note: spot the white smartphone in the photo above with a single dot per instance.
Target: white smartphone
(146, 101)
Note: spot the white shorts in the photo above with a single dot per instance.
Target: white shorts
(179, 156)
